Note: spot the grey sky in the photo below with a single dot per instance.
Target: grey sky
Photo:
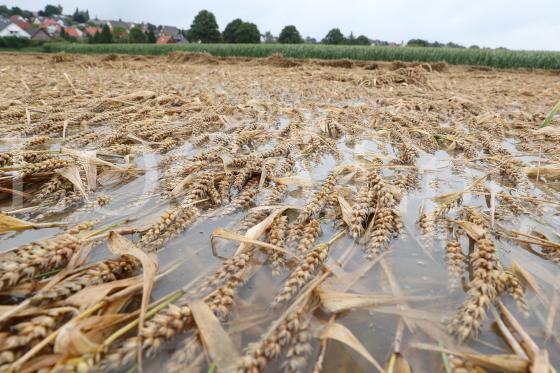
(516, 24)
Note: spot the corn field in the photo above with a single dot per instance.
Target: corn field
(198, 213)
(508, 59)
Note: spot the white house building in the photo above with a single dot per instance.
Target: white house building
(8, 28)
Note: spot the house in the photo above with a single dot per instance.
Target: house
(169, 30)
(38, 34)
(38, 20)
(165, 39)
(121, 24)
(20, 21)
(172, 31)
(52, 26)
(74, 32)
(91, 31)
(9, 28)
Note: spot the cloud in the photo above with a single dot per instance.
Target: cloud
(494, 23)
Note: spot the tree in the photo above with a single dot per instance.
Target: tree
(453, 45)
(119, 35)
(51, 10)
(16, 10)
(136, 35)
(351, 39)
(4, 11)
(105, 36)
(204, 28)
(229, 32)
(77, 16)
(269, 38)
(474, 46)
(334, 36)
(362, 40)
(151, 34)
(310, 40)
(248, 33)
(238, 31)
(417, 43)
(290, 35)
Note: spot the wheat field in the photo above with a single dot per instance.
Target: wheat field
(198, 213)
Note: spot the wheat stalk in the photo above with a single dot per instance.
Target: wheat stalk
(34, 259)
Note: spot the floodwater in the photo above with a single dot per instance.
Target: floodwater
(413, 263)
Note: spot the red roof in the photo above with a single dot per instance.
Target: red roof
(49, 22)
(91, 31)
(165, 39)
(73, 32)
(18, 20)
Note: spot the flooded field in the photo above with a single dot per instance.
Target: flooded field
(194, 213)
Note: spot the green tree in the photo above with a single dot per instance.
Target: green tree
(351, 39)
(136, 35)
(238, 31)
(454, 45)
(204, 28)
(248, 33)
(119, 35)
(151, 34)
(231, 28)
(51, 10)
(4, 11)
(417, 43)
(18, 11)
(362, 40)
(105, 36)
(290, 35)
(334, 36)
(78, 16)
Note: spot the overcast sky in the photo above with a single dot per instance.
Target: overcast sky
(515, 24)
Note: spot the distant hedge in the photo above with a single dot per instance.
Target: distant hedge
(13, 42)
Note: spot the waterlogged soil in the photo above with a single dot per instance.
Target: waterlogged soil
(460, 153)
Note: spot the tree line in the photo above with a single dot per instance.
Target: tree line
(204, 29)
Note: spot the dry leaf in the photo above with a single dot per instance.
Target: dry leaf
(85, 157)
(255, 232)
(121, 246)
(346, 210)
(73, 175)
(474, 231)
(520, 272)
(294, 180)
(337, 302)
(9, 223)
(72, 342)
(91, 295)
(82, 336)
(90, 169)
(180, 187)
(222, 233)
(342, 334)
(41, 363)
(500, 363)
(216, 341)
(550, 173)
